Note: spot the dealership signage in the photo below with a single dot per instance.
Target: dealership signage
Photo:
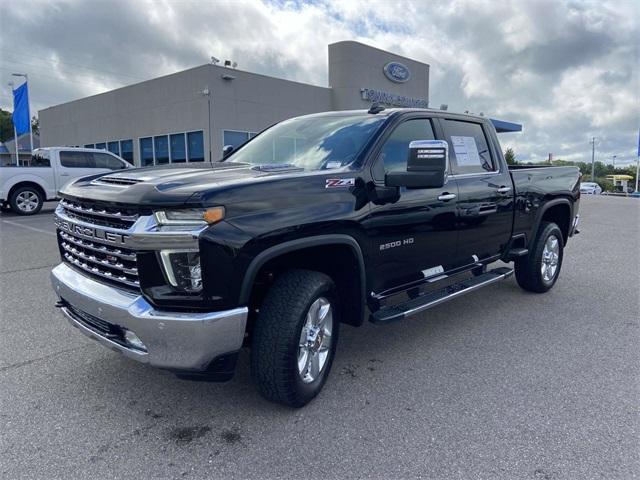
(397, 72)
(378, 96)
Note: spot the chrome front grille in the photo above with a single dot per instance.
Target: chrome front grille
(96, 256)
(100, 215)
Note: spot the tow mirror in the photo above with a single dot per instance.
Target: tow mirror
(227, 150)
(426, 166)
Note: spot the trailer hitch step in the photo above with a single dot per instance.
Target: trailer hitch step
(428, 300)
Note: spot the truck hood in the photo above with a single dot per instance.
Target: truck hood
(170, 185)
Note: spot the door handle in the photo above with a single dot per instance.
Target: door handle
(446, 196)
(503, 190)
(64, 174)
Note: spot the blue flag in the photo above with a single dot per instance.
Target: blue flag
(21, 116)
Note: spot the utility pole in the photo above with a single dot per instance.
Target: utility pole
(593, 157)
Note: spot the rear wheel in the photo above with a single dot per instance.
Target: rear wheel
(539, 270)
(295, 337)
(26, 200)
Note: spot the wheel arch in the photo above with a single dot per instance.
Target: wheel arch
(27, 183)
(313, 252)
(559, 211)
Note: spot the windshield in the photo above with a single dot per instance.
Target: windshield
(312, 143)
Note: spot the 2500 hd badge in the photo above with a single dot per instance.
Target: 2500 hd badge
(184, 267)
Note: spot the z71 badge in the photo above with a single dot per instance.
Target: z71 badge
(340, 182)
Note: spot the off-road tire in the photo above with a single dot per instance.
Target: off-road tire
(276, 337)
(528, 268)
(18, 204)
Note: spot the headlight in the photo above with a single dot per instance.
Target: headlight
(182, 269)
(189, 218)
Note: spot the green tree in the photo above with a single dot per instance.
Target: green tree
(35, 125)
(6, 126)
(510, 156)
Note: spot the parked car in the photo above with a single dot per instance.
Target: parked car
(590, 188)
(25, 188)
(313, 223)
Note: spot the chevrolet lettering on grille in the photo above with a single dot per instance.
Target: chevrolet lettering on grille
(89, 232)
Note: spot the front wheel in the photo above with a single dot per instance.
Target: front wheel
(539, 270)
(26, 201)
(295, 336)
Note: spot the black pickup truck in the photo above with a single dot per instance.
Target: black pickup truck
(319, 220)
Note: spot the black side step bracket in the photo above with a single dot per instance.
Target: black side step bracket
(517, 252)
(431, 299)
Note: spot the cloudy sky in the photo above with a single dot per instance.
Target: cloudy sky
(567, 70)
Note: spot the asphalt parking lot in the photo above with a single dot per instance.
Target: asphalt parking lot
(499, 384)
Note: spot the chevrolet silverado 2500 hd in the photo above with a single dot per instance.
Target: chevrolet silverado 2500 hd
(319, 220)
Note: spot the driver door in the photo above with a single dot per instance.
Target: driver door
(414, 236)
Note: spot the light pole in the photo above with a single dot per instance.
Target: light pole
(593, 157)
(207, 93)
(15, 135)
(26, 80)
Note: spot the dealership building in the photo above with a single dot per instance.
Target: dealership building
(191, 115)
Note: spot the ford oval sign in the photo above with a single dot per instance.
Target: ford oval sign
(397, 72)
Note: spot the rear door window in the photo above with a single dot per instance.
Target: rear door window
(72, 159)
(468, 147)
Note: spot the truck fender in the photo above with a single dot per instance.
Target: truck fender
(543, 209)
(298, 244)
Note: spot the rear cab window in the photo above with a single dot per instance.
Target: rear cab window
(469, 150)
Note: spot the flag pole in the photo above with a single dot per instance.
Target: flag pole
(26, 79)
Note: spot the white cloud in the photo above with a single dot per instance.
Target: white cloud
(567, 70)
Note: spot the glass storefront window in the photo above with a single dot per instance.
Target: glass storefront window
(161, 146)
(195, 146)
(178, 148)
(126, 150)
(114, 147)
(146, 151)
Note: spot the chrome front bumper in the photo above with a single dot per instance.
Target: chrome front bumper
(173, 340)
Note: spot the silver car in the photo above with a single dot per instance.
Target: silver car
(590, 188)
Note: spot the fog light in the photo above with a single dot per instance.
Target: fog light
(133, 340)
(182, 269)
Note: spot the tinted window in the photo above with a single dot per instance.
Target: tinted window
(102, 160)
(76, 159)
(114, 147)
(89, 145)
(178, 147)
(161, 145)
(40, 159)
(195, 146)
(126, 150)
(101, 146)
(146, 151)
(396, 148)
(468, 147)
(235, 138)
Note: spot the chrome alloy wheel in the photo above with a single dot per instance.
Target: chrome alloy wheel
(315, 340)
(27, 201)
(550, 258)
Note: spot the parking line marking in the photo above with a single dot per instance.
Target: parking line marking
(16, 224)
